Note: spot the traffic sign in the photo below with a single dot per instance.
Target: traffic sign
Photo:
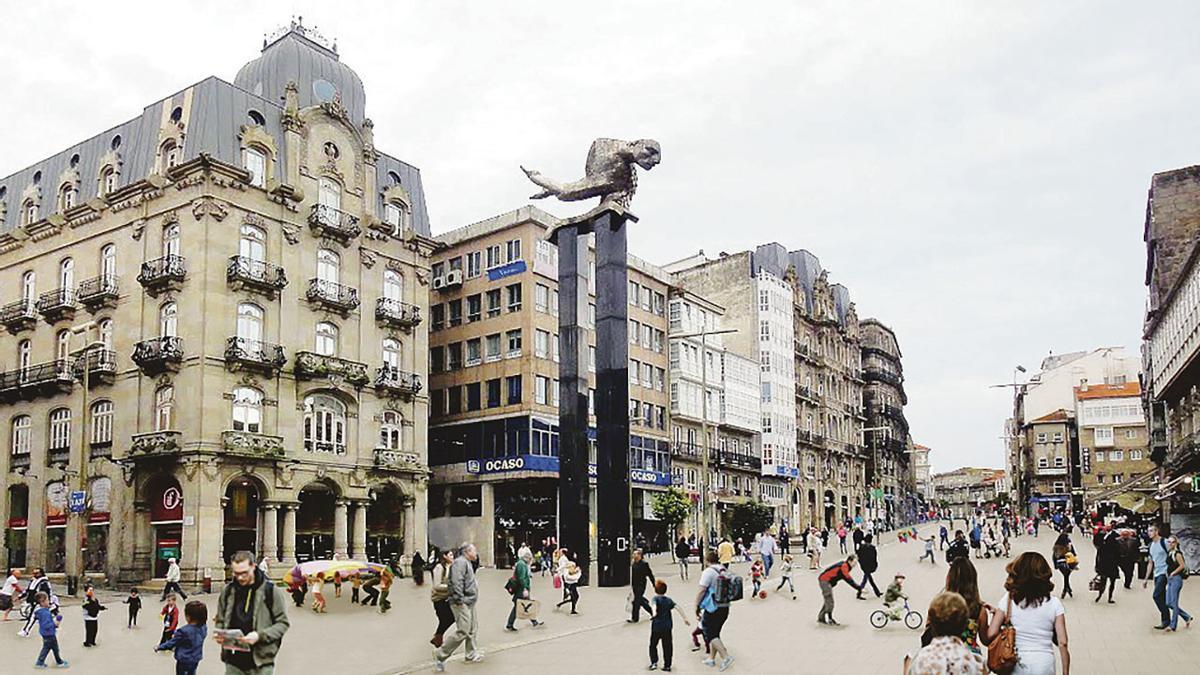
(77, 501)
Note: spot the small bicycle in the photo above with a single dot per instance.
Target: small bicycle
(911, 617)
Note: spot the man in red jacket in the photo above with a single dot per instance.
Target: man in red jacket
(836, 572)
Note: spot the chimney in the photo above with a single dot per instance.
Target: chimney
(1083, 385)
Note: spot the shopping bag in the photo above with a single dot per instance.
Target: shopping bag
(557, 581)
(528, 609)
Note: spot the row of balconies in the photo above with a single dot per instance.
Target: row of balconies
(60, 304)
(58, 376)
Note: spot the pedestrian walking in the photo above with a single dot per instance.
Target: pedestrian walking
(1176, 573)
(814, 549)
(977, 541)
(1130, 549)
(963, 579)
(418, 569)
(386, 578)
(662, 625)
(519, 586)
(839, 571)
(868, 562)
(715, 610)
(10, 591)
(562, 559)
(639, 575)
(944, 541)
(785, 571)
(946, 653)
(570, 580)
(1065, 561)
(463, 593)
(725, 551)
(252, 604)
(172, 585)
(337, 584)
(1108, 555)
(170, 619)
(355, 586)
(785, 540)
(1036, 615)
(841, 533)
(40, 584)
(958, 548)
(263, 566)
(91, 616)
(47, 621)
(756, 577)
(134, 601)
(439, 576)
(682, 553)
(767, 548)
(928, 551)
(318, 591)
(188, 641)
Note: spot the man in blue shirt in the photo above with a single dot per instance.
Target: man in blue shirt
(1158, 556)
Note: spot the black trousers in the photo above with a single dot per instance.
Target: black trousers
(444, 615)
(1127, 569)
(132, 617)
(640, 601)
(372, 595)
(868, 578)
(89, 632)
(668, 648)
(354, 594)
(571, 593)
(173, 587)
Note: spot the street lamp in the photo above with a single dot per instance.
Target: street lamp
(78, 537)
(703, 335)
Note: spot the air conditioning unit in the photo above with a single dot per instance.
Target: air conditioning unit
(454, 278)
(439, 283)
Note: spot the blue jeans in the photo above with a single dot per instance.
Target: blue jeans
(768, 561)
(1160, 600)
(49, 644)
(1174, 586)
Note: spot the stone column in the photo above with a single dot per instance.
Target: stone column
(270, 533)
(339, 528)
(288, 552)
(359, 551)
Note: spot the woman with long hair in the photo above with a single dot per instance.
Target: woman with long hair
(1108, 555)
(1176, 566)
(440, 595)
(1063, 555)
(1037, 616)
(964, 580)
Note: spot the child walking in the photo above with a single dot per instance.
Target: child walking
(355, 584)
(170, 619)
(135, 605)
(337, 584)
(91, 616)
(47, 622)
(318, 591)
(188, 641)
(928, 551)
(661, 625)
(756, 575)
(786, 571)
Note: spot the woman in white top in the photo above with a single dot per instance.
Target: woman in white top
(1036, 614)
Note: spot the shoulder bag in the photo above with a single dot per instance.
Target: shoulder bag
(1002, 650)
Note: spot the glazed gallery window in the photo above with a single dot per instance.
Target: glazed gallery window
(63, 348)
(247, 409)
(254, 161)
(164, 408)
(24, 355)
(324, 425)
(249, 323)
(252, 244)
(389, 430)
(60, 429)
(102, 423)
(474, 264)
(170, 154)
(29, 212)
(22, 429)
(327, 339)
(168, 320)
(493, 302)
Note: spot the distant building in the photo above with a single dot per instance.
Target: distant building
(1114, 447)
(921, 477)
(961, 491)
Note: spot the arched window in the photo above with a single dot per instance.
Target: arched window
(247, 409)
(391, 353)
(22, 429)
(168, 320)
(28, 212)
(108, 181)
(170, 154)
(395, 214)
(327, 339)
(393, 285)
(106, 332)
(249, 322)
(63, 345)
(171, 239)
(328, 266)
(68, 194)
(324, 424)
(60, 429)
(254, 161)
(329, 198)
(389, 431)
(164, 408)
(29, 286)
(253, 243)
(66, 274)
(108, 261)
(102, 423)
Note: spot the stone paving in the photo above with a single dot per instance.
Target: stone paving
(772, 635)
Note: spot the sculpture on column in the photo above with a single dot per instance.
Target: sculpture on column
(609, 173)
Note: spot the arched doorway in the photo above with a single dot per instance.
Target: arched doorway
(812, 509)
(385, 523)
(242, 500)
(17, 526)
(166, 521)
(830, 509)
(314, 523)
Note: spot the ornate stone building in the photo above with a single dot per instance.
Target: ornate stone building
(241, 276)
(890, 471)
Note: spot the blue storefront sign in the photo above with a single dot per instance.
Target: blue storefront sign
(649, 477)
(515, 267)
(787, 471)
(518, 463)
(76, 501)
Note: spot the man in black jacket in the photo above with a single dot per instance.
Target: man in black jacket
(640, 575)
(868, 560)
(958, 548)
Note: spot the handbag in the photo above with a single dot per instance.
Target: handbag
(1096, 584)
(1002, 650)
(528, 609)
(558, 582)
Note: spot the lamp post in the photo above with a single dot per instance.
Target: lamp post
(79, 519)
(703, 335)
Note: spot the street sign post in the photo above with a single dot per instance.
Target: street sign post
(77, 501)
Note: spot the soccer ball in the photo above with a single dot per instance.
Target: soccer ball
(762, 595)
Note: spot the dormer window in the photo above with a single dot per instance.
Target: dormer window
(170, 154)
(254, 161)
(68, 194)
(29, 212)
(108, 180)
(394, 214)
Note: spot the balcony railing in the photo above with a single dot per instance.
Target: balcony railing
(264, 356)
(810, 438)
(335, 296)
(101, 366)
(389, 312)
(395, 381)
(58, 455)
(18, 316)
(392, 459)
(98, 449)
(57, 305)
(324, 447)
(99, 292)
(310, 365)
(1052, 471)
(878, 375)
(18, 461)
(162, 274)
(255, 275)
(327, 221)
(737, 459)
(155, 443)
(159, 354)
(252, 444)
(807, 393)
(43, 379)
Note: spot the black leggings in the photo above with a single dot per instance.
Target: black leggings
(1066, 574)
(444, 615)
(1111, 582)
(571, 595)
(667, 647)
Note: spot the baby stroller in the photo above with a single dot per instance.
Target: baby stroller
(991, 547)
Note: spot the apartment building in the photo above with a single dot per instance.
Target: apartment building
(1114, 453)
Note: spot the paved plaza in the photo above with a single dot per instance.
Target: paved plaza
(775, 635)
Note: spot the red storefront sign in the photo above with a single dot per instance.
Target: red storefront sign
(18, 523)
(168, 507)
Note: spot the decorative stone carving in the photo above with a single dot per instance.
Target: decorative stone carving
(137, 229)
(609, 173)
(291, 234)
(367, 258)
(154, 443)
(209, 206)
(310, 365)
(254, 445)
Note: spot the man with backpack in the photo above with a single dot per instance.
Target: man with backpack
(718, 588)
(839, 571)
(252, 604)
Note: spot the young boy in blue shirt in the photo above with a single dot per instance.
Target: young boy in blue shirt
(48, 628)
(188, 640)
(661, 625)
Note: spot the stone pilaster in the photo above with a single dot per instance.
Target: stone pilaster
(340, 533)
(288, 552)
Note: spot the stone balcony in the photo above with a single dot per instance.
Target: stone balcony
(312, 366)
(99, 364)
(326, 221)
(243, 353)
(163, 274)
(18, 316)
(99, 292)
(389, 312)
(57, 305)
(159, 354)
(155, 443)
(333, 296)
(391, 380)
(396, 459)
(43, 379)
(252, 445)
(255, 275)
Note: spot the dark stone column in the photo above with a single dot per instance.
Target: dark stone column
(612, 399)
(573, 490)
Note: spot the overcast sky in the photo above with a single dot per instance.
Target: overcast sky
(975, 173)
